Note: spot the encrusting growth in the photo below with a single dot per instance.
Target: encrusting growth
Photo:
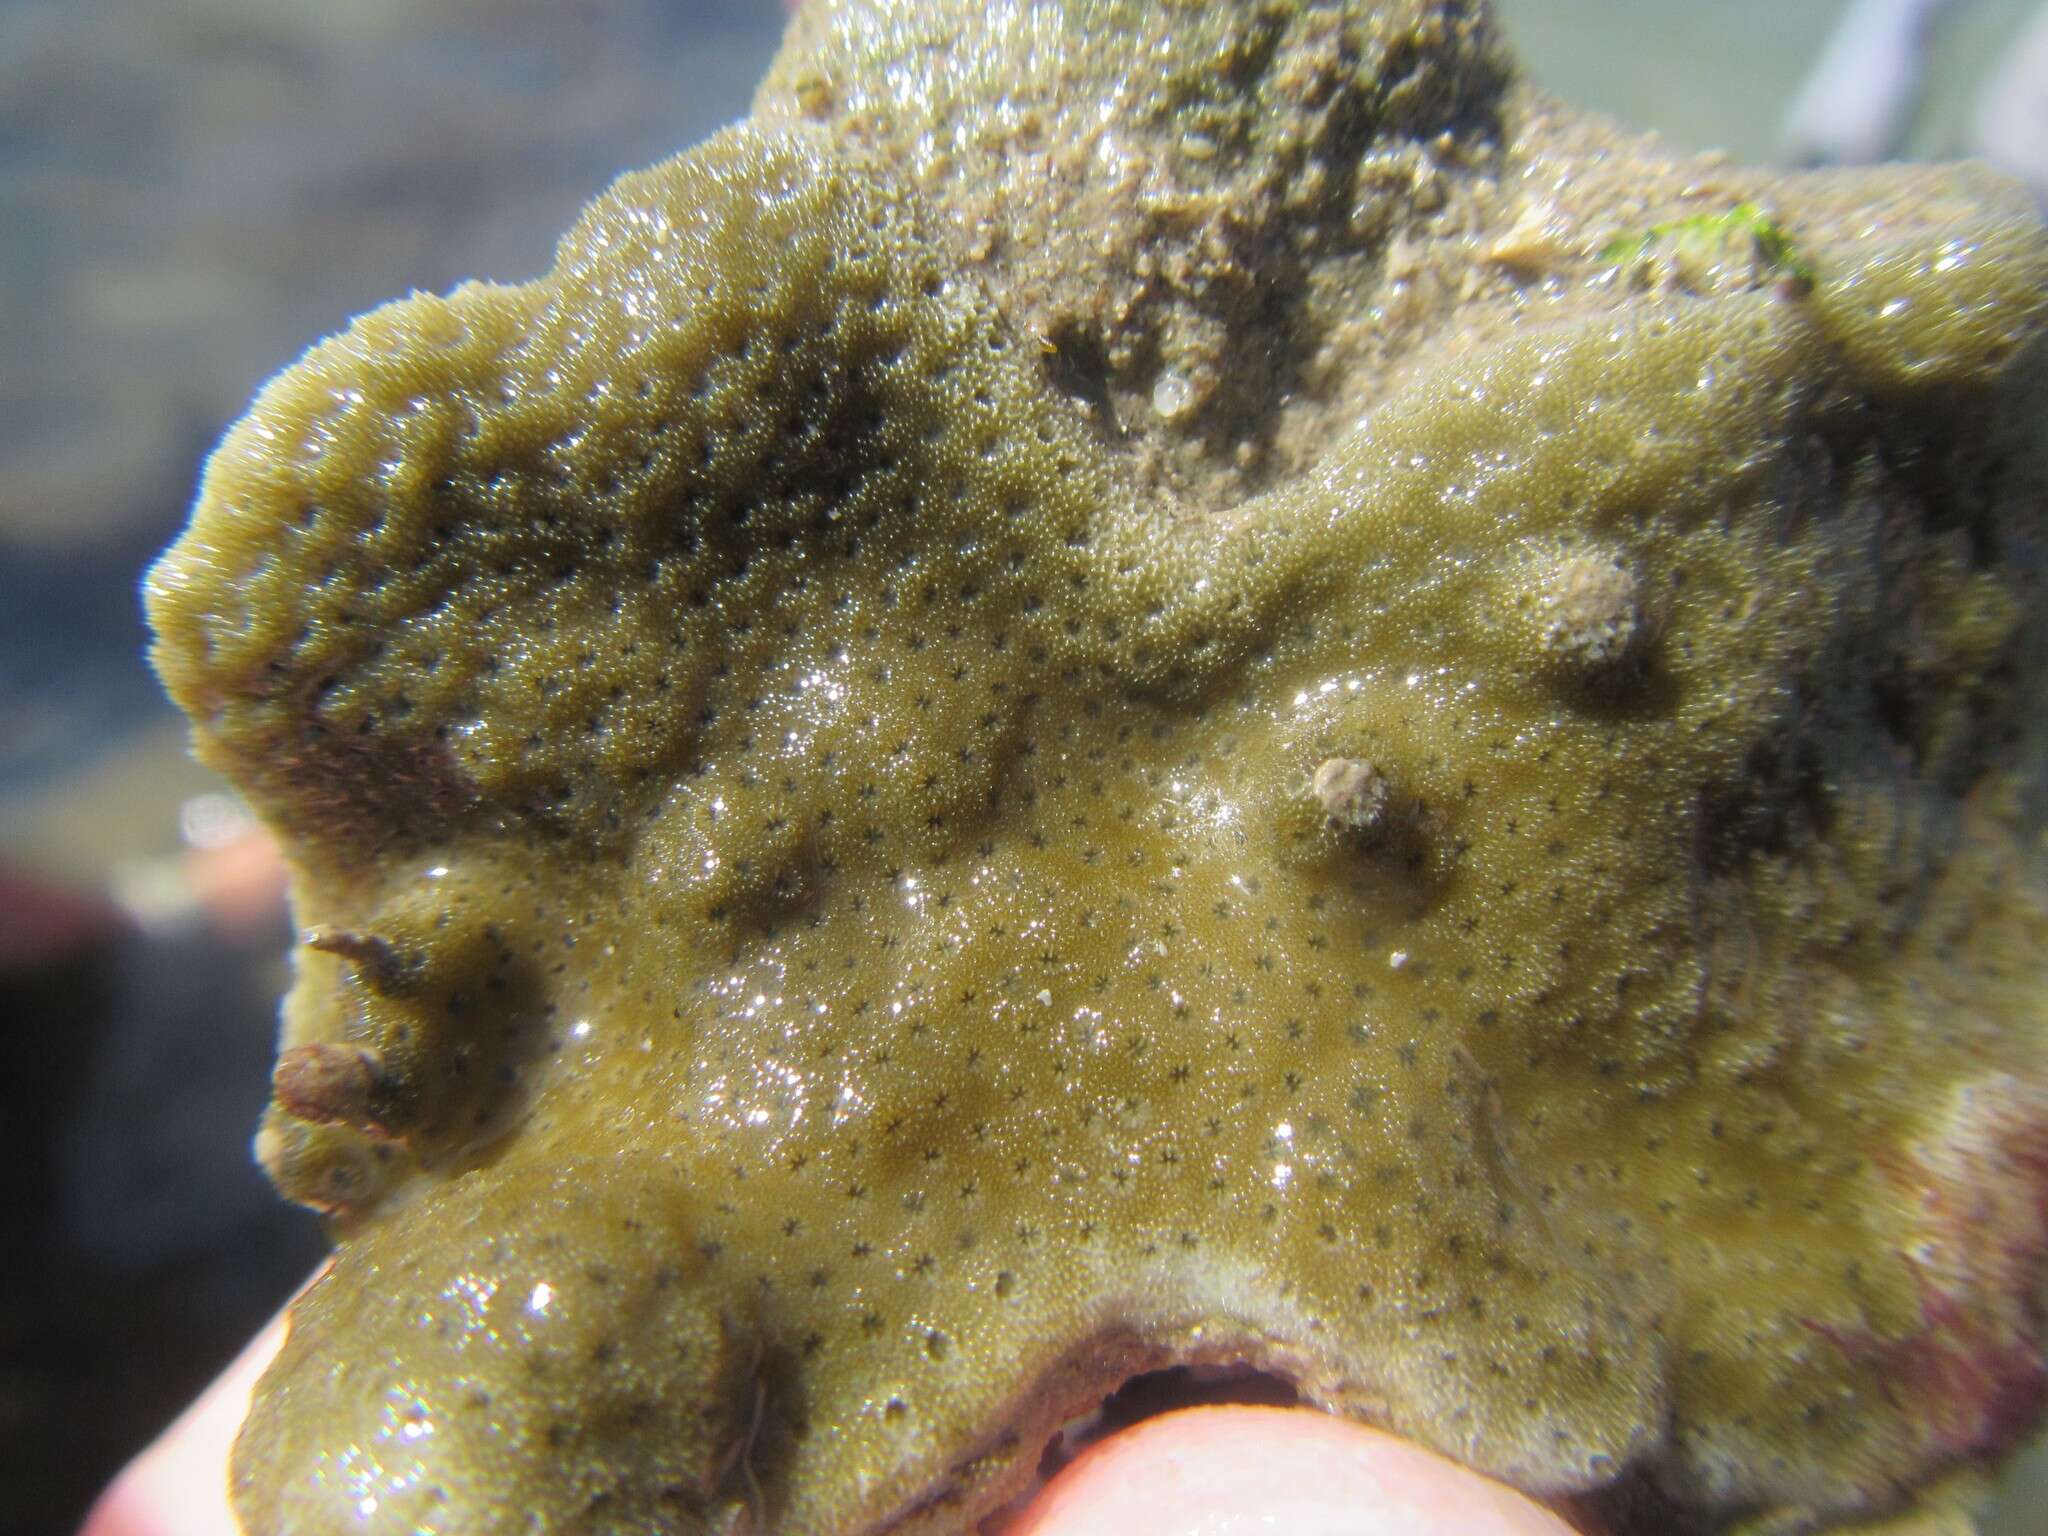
(866, 876)
(1351, 792)
(1586, 608)
(325, 1084)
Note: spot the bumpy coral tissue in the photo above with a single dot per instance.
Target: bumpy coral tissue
(833, 937)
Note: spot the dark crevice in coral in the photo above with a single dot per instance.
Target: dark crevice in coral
(765, 1414)
(1636, 1505)
(1077, 365)
(1153, 1393)
(1778, 802)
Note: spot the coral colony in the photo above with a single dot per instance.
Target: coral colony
(1133, 685)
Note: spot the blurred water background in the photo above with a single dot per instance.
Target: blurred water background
(190, 192)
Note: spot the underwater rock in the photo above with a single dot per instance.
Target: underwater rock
(826, 947)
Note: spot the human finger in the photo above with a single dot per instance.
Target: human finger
(1235, 1471)
(179, 1485)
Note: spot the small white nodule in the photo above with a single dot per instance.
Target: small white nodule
(1589, 609)
(1173, 395)
(1351, 791)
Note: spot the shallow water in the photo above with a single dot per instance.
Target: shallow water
(1718, 75)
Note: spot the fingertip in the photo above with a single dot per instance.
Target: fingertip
(1232, 1471)
(179, 1485)
(114, 1513)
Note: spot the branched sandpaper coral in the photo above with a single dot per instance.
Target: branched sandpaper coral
(1102, 695)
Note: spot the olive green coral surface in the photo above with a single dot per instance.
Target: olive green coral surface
(858, 893)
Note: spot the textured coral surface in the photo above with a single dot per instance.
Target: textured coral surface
(882, 847)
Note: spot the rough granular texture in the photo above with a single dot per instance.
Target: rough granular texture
(827, 946)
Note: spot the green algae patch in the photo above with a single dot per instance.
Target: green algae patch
(841, 921)
(1690, 249)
